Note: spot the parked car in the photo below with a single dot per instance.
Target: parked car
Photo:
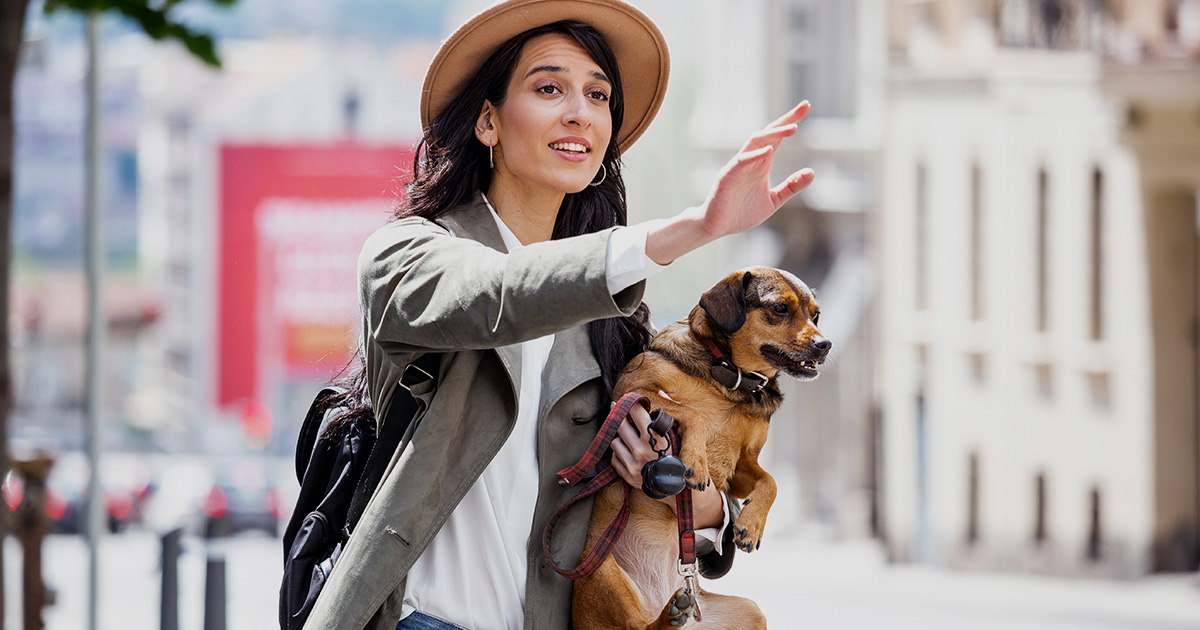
(127, 488)
(243, 497)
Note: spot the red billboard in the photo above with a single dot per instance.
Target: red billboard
(292, 221)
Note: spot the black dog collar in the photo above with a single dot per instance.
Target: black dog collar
(726, 373)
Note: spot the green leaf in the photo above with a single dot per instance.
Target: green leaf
(154, 21)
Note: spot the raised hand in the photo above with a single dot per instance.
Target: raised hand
(743, 197)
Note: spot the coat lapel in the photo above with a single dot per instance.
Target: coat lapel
(474, 221)
(570, 364)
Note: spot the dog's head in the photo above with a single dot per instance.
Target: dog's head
(768, 320)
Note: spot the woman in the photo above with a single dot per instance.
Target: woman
(507, 259)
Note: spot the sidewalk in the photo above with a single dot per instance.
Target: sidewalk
(797, 583)
(131, 582)
(807, 584)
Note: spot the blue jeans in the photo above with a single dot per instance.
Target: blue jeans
(420, 621)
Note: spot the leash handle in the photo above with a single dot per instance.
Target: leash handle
(588, 565)
(574, 474)
(605, 473)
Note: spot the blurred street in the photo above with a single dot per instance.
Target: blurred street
(798, 584)
(1003, 232)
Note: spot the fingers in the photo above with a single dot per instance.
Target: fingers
(781, 128)
(798, 113)
(750, 159)
(771, 136)
(635, 442)
(795, 183)
(630, 448)
(640, 418)
(621, 458)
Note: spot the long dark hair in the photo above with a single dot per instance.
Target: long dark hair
(451, 167)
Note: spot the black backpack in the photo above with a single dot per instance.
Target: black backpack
(338, 471)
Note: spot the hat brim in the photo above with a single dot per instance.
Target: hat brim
(636, 42)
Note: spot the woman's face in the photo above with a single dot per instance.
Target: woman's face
(554, 126)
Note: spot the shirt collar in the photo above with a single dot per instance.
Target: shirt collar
(511, 242)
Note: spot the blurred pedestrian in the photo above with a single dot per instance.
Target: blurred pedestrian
(510, 258)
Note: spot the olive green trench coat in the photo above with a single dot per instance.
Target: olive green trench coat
(450, 287)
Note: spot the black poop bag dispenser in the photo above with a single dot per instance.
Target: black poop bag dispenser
(663, 477)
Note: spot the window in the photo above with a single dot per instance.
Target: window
(801, 49)
(1096, 327)
(1039, 526)
(1043, 382)
(1042, 252)
(976, 243)
(1094, 540)
(820, 55)
(920, 225)
(1053, 30)
(978, 367)
(973, 499)
(1099, 390)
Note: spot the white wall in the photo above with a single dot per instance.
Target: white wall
(1032, 110)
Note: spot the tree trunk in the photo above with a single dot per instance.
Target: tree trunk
(12, 23)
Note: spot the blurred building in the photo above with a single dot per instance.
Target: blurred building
(831, 53)
(1039, 285)
(48, 296)
(236, 177)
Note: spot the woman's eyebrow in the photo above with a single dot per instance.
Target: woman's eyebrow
(559, 69)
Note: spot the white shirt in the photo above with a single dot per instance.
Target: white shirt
(473, 572)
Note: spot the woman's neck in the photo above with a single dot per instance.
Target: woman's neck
(529, 214)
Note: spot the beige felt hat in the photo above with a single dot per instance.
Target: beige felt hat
(636, 42)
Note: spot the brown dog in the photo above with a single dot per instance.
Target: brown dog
(763, 321)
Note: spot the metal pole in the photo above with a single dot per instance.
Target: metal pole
(169, 613)
(32, 527)
(214, 590)
(94, 263)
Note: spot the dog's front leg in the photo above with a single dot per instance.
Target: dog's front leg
(758, 488)
(693, 442)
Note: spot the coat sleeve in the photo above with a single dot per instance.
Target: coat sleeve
(712, 564)
(423, 289)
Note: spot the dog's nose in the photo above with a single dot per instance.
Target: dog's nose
(823, 344)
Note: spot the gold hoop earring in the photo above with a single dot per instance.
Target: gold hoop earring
(491, 160)
(603, 169)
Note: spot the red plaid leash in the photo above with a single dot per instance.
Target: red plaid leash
(683, 511)
(688, 567)
(592, 460)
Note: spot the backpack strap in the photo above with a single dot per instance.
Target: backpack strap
(311, 429)
(401, 411)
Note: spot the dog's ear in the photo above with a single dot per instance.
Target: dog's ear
(725, 304)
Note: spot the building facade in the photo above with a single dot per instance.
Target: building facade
(1039, 377)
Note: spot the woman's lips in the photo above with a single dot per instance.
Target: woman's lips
(572, 151)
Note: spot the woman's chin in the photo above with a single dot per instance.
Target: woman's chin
(572, 186)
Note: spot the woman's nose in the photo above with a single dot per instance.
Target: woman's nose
(577, 111)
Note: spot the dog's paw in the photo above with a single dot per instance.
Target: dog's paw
(681, 607)
(747, 535)
(696, 476)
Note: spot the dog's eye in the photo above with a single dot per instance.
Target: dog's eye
(780, 308)
(816, 318)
